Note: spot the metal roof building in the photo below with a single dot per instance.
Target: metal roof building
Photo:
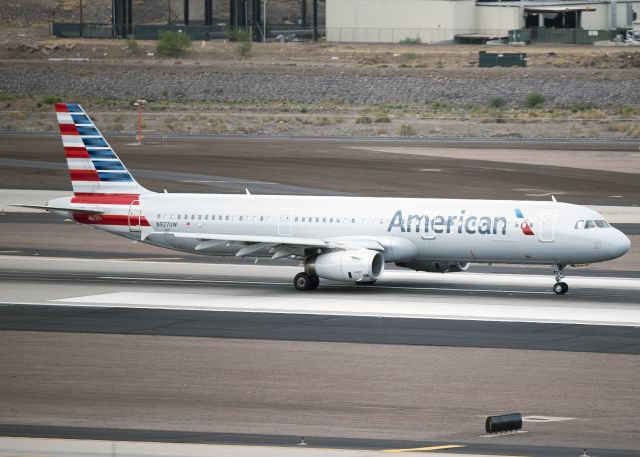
(433, 21)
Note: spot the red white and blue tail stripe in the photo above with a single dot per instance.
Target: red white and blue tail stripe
(94, 167)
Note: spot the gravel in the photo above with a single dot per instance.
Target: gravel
(121, 81)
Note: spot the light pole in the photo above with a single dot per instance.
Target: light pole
(264, 21)
(138, 104)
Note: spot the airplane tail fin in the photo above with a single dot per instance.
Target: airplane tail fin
(94, 167)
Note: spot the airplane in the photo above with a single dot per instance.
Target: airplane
(346, 239)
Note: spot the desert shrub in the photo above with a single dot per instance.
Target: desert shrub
(244, 47)
(132, 45)
(497, 102)
(363, 120)
(173, 43)
(50, 99)
(382, 119)
(411, 40)
(534, 100)
(406, 130)
(237, 35)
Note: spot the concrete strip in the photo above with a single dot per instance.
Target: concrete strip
(366, 306)
(615, 161)
(619, 214)
(27, 197)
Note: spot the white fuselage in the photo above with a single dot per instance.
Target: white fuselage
(481, 231)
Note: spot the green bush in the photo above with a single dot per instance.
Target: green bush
(132, 45)
(535, 100)
(173, 43)
(411, 40)
(363, 120)
(497, 102)
(244, 47)
(50, 99)
(237, 35)
(406, 130)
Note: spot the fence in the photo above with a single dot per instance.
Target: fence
(397, 35)
(195, 32)
(64, 30)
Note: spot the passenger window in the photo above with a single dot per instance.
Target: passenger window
(227, 217)
(324, 219)
(589, 225)
(193, 216)
(317, 219)
(179, 216)
(261, 218)
(353, 221)
(199, 217)
(159, 215)
(331, 220)
(580, 224)
(296, 219)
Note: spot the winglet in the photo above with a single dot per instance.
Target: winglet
(247, 191)
(553, 197)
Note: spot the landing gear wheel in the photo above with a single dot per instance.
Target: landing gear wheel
(303, 281)
(560, 288)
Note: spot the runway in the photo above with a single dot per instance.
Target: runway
(127, 342)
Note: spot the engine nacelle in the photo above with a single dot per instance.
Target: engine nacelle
(356, 265)
(445, 266)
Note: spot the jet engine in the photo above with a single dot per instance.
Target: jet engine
(445, 266)
(354, 265)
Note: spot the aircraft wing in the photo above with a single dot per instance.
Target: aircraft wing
(56, 208)
(279, 246)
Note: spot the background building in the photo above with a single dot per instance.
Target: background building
(433, 21)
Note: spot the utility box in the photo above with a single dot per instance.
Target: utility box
(502, 59)
(520, 36)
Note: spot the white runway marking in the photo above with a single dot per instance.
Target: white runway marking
(354, 305)
(334, 285)
(546, 419)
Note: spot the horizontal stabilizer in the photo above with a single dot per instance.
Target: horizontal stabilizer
(57, 208)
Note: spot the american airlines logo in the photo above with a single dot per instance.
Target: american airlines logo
(461, 223)
(524, 224)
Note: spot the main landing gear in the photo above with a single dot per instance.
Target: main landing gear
(560, 288)
(304, 281)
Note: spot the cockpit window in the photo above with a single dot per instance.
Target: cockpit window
(602, 224)
(589, 224)
(580, 224)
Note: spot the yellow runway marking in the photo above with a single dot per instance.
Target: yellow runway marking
(429, 448)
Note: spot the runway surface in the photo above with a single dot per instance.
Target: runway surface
(131, 342)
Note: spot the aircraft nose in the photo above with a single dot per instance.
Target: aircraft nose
(620, 245)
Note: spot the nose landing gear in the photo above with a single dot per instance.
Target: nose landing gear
(560, 288)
